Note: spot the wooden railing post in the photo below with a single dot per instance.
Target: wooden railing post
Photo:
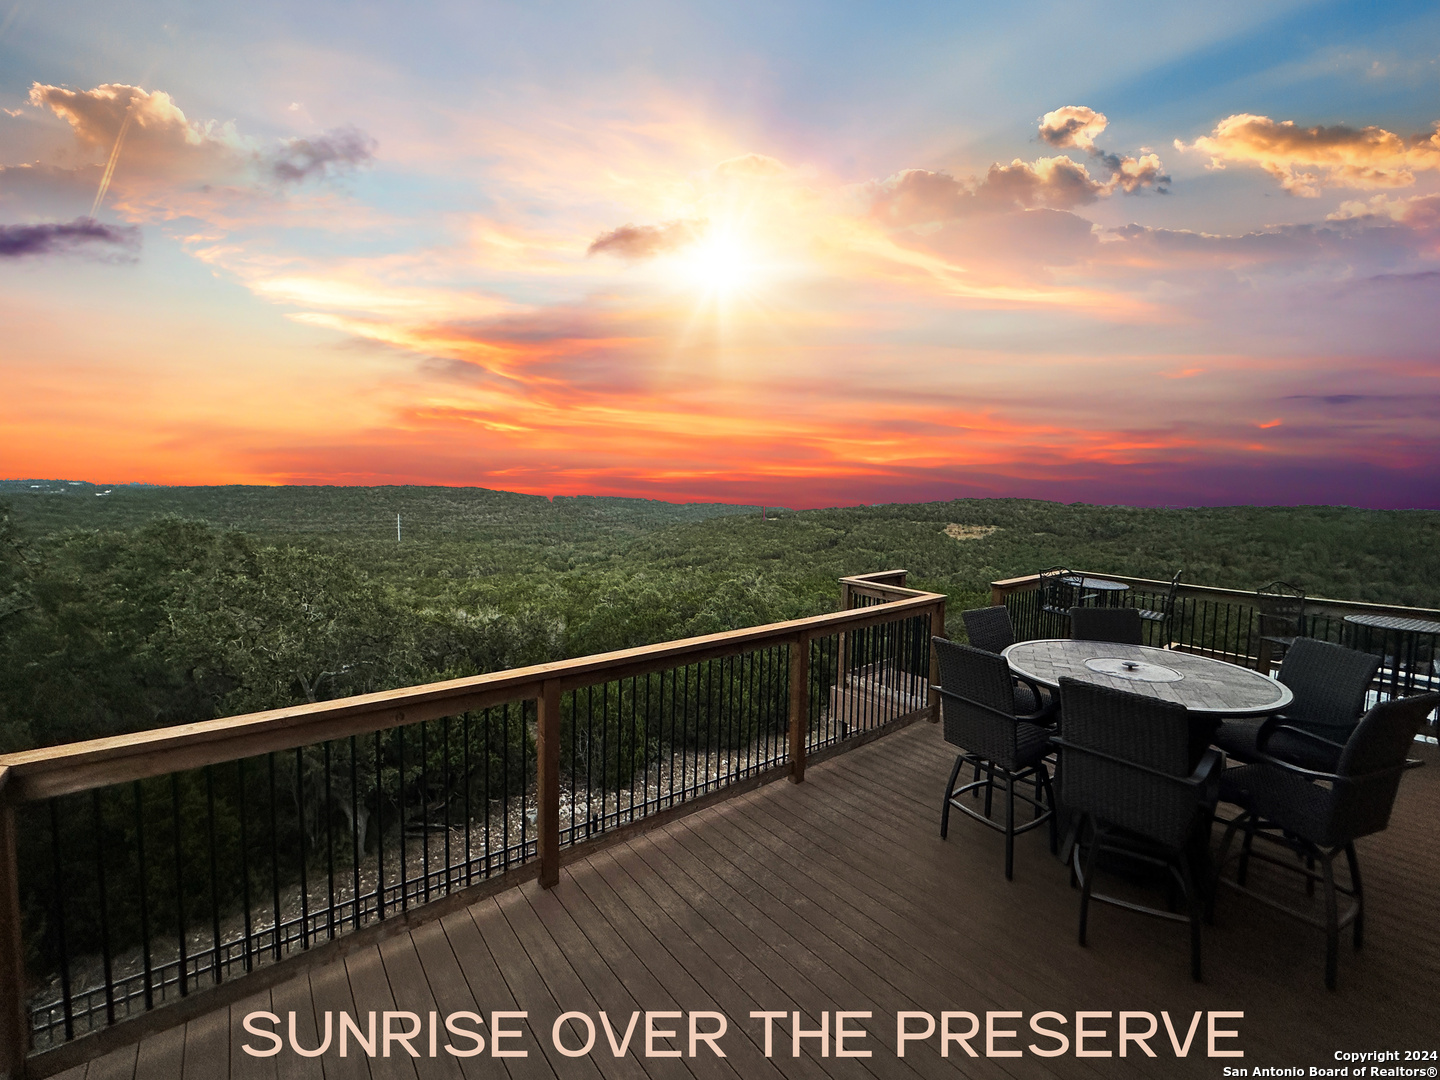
(799, 706)
(547, 782)
(13, 1020)
(937, 629)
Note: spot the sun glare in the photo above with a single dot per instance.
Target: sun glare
(721, 264)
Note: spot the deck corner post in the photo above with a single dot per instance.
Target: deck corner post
(13, 1041)
(547, 782)
(799, 706)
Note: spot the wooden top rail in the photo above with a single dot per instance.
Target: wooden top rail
(887, 585)
(1000, 589)
(60, 770)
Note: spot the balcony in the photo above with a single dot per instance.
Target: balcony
(600, 835)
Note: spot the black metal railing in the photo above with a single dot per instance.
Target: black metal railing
(140, 893)
(136, 893)
(1226, 624)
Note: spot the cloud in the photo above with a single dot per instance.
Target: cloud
(156, 152)
(922, 197)
(1305, 160)
(341, 150)
(18, 241)
(1418, 211)
(1054, 182)
(645, 241)
(750, 166)
(1078, 125)
(1072, 125)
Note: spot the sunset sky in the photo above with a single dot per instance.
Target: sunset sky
(802, 254)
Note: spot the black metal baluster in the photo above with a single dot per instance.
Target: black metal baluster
(645, 752)
(355, 828)
(274, 855)
(425, 809)
(179, 884)
(329, 848)
(589, 755)
(58, 895)
(244, 864)
(379, 834)
(524, 784)
(488, 789)
(141, 885)
(304, 854)
(214, 875)
(445, 749)
(404, 827)
(99, 826)
(505, 784)
(604, 753)
(469, 820)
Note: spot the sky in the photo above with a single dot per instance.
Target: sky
(801, 254)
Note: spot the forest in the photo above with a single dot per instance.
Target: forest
(127, 607)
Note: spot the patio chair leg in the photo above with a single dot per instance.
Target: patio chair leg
(949, 794)
(1244, 867)
(1225, 842)
(1089, 878)
(1359, 894)
(975, 791)
(1009, 826)
(1332, 921)
(1044, 775)
(989, 786)
(1192, 898)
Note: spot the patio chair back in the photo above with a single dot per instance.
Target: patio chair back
(1282, 611)
(1058, 593)
(1363, 796)
(1329, 683)
(977, 701)
(1123, 625)
(989, 628)
(1127, 760)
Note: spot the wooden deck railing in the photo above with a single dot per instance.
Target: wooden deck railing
(854, 659)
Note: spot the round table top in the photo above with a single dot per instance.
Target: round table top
(1103, 584)
(1197, 682)
(1395, 622)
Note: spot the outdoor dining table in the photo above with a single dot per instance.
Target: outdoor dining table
(1101, 592)
(1199, 683)
(1397, 639)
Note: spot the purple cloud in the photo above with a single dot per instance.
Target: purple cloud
(340, 150)
(50, 238)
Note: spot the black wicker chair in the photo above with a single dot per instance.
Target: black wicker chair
(1164, 616)
(989, 628)
(1118, 624)
(1318, 814)
(1329, 683)
(1058, 594)
(977, 695)
(1282, 619)
(1142, 776)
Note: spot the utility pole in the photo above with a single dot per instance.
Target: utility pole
(397, 528)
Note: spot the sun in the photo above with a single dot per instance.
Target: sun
(722, 264)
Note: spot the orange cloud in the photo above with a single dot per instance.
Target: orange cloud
(1305, 160)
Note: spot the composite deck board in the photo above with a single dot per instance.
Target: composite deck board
(734, 982)
(245, 1066)
(464, 931)
(840, 894)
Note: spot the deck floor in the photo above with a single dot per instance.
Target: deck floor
(838, 894)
